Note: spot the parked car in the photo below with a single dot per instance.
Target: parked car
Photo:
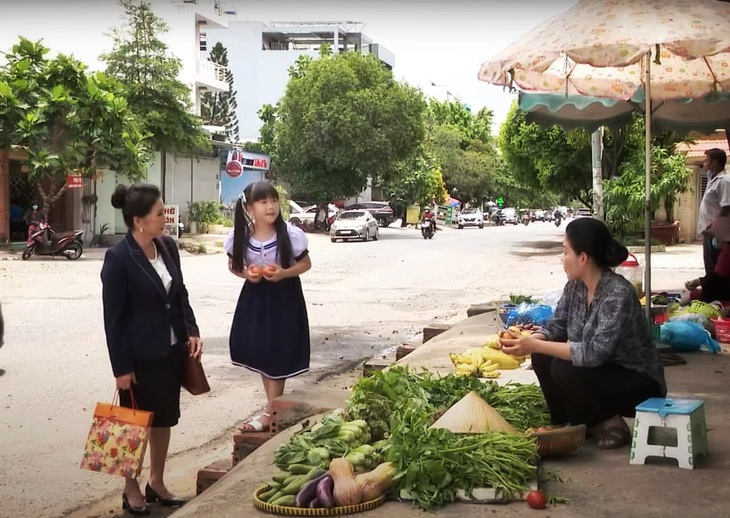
(538, 215)
(509, 215)
(583, 213)
(307, 215)
(355, 224)
(381, 210)
(471, 218)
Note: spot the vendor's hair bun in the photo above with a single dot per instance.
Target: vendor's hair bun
(616, 254)
(119, 197)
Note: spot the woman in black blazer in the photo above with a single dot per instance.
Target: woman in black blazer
(150, 326)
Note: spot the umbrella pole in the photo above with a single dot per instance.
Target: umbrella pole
(647, 198)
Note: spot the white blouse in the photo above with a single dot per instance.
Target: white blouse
(161, 268)
(265, 253)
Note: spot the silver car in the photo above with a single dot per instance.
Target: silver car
(355, 224)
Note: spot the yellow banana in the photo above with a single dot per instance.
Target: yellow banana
(491, 375)
(493, 342)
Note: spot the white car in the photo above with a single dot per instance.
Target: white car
(471, 218)
(355, 224)
(306, 215)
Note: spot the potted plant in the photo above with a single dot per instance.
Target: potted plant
(209, 214)
(193, 216)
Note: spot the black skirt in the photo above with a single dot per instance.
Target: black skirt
(270, 331)
(158, 387)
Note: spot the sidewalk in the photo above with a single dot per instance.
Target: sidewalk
(598, 483)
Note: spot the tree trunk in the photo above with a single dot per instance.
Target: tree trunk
(50, 197)
(4, 195)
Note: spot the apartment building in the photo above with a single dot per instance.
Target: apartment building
(260, 55)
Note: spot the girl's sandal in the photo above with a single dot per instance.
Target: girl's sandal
(613, 437)
(254, 425)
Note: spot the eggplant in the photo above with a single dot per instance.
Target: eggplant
(308, 492)
(315, 504)
(324, 492)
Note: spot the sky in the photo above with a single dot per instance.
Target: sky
(434, 42)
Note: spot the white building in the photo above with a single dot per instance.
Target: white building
(183, 178)
(260, 55)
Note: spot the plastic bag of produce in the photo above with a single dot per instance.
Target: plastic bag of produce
(537, 314)
(685, 336)
(551, 298)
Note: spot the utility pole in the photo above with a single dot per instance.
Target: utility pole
(596, 159)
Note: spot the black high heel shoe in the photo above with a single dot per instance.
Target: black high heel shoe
(134, 511)
(151, 496)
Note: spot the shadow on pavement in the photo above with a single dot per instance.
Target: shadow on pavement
(535, 248)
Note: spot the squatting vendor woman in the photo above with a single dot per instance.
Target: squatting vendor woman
(595, 359)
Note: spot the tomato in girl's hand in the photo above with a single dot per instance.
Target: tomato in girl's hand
(269, 270)
(536, 500)
(254, 270)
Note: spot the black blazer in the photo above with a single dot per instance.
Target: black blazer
(138, 313)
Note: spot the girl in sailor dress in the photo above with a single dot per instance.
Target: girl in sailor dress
(270, 330)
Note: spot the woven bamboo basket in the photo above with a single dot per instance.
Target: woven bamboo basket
(301, 511)
(560, 441)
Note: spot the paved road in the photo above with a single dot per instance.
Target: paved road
(363, 298)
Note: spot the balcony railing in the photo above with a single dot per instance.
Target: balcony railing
(207, 70)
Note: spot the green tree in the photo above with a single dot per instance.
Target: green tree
(219, 108)
(464, 148)
(418, 181)
(140, 60)
(343, 119)
(70, 122)
(547, 159)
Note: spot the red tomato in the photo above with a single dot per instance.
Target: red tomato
(536, 500)
(254, 270)
(270, 270)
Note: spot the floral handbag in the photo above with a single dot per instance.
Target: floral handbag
(117, 439)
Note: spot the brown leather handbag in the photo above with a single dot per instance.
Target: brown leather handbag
(194, 378)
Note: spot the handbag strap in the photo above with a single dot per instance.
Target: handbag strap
(115, 399)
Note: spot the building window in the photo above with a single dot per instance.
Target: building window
(203, 40)
(703, 185)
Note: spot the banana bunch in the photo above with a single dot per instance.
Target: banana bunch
(484, 361)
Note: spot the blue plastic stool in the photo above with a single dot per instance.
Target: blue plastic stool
(686, 416)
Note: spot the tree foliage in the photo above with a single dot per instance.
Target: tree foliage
(547, 159)
(417, 181)
(463, 146)
(343, 119)
(70, 122)
(141, 60)
(219, 108)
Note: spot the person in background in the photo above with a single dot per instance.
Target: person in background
(715, 286)
(150, 327)
(430, 216)
(595, 359)
(715, 202)
(270, 330)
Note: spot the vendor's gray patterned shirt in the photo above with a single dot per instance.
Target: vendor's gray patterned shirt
(612, 330)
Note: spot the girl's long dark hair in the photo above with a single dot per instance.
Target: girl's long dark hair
(243, 226)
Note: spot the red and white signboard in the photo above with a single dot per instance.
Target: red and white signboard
(240, 161)
(172, 219)
(74, 181)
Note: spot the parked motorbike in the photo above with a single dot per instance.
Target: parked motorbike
(427, 228)
(45, 241)
(497, 219)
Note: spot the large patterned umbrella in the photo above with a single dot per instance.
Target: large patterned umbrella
(673, 49)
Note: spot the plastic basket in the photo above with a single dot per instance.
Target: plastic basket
(304, 511)
(702, 308)
(722, 330)
(560, 441)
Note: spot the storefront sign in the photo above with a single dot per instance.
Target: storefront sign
(74, 181)
(172, 219)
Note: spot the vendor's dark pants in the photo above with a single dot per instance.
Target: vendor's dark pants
(591, 395)
(709, 254)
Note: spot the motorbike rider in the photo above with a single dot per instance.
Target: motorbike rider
(430, 216)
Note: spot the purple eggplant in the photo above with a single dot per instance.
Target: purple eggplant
(315, 504)
(308, 492)
(324, 492)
